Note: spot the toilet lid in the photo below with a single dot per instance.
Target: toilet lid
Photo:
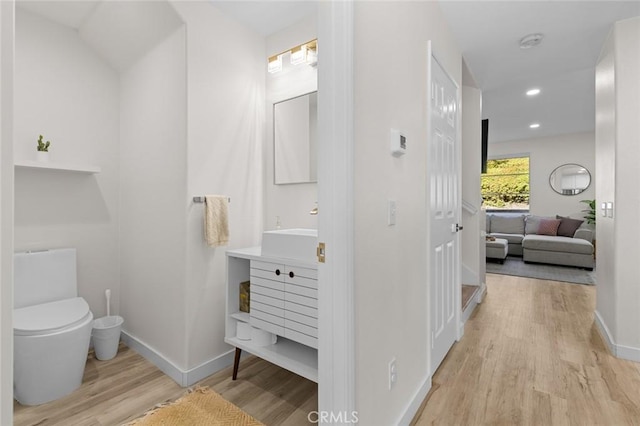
(49, 317)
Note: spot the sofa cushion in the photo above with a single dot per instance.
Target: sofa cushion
(507, 224)
(568, 226)
(511, 238)
(548, 227)
(559, 244)
(532, 223)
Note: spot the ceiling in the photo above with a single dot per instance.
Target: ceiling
(562, 66)
(267, 17)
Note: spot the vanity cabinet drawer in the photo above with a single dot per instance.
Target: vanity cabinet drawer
(300, 309)
(266, 326)
(271, 301)
(301, 338)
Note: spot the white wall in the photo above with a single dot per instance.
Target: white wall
(65, 92)
(391, 295)
(627, 197)
(617, 130)
(545, 154)
(224, 156)
(471, 238)
(153, 199)
(291, 202)
(6, 209)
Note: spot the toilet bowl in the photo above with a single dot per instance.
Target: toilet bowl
(51, 336)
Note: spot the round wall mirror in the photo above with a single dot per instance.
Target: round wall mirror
(570, 179)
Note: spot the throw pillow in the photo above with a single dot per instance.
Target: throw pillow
(568, 226)
(548, 227)
(533, 222)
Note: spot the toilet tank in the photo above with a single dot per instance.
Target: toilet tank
(44, 276)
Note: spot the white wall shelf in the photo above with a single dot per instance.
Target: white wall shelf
(74, 168)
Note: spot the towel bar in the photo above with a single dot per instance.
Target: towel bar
(203, 199)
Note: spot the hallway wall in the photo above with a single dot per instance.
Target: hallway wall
(391, 294)
(617, 153)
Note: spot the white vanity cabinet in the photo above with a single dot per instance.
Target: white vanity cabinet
(283, 301)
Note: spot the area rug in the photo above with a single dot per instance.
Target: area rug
(200, 407)
(515, 266)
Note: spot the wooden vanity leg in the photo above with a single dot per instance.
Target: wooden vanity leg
(236, 363)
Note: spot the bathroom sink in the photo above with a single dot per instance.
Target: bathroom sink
(297, 243)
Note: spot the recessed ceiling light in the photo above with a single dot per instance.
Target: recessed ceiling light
(530, 40)
(534, 125)
(533, 92)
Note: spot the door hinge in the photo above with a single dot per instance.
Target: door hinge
(320, 252)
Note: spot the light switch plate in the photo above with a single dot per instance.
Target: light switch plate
(391, 212)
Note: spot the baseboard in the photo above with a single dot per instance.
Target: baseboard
(619, 351)
(481, 293)
(604, 332)
(184, 378)
(470, 308)
(415, 403)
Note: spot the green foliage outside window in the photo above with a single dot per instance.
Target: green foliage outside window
(506, 184)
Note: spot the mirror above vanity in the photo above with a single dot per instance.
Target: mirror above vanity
(570, 179)
(295, 130)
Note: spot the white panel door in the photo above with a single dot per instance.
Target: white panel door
(443, 209)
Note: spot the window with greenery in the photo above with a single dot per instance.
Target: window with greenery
(505, 186)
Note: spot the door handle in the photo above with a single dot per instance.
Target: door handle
(456, 228)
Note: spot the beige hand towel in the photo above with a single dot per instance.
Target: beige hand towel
(216, 220)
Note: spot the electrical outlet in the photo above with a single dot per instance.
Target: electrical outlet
(393, 373)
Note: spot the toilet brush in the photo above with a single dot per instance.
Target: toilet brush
(107, 294)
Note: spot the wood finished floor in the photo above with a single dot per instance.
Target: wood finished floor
(531, 355)
(117, 391)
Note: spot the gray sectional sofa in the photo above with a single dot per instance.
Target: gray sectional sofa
(558, 241)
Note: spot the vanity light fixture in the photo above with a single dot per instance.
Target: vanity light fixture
(299, 54)
(305, 52)
(533, 92)
(312, 53)
(275, 64)
(534, 125)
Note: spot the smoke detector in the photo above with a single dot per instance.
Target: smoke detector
(531, 40)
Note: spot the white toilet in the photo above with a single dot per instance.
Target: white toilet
(51, 326)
